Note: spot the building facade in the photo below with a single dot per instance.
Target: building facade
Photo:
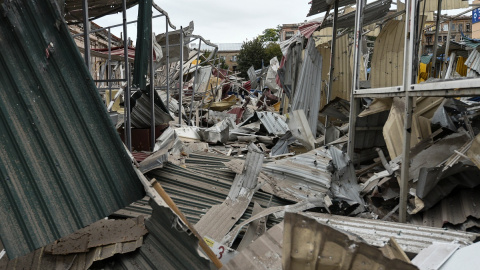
(459, 25)
(288, 30)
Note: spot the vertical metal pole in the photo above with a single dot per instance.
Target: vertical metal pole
(86, 35)
(407, 81)
(180, 90)
(168, 63)
(332, 59)
(194, 81)
(435, 42)
(127, 123)
(109, 68)
(152, 95)
(356, 71)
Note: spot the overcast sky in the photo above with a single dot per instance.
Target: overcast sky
(220, 21)
(224, 21)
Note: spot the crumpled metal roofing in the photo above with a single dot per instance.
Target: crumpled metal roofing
(167, 246)
(96, 8)
(62, 164)
(307, 93)
(411, 238)
(319, 6)
(372, 13)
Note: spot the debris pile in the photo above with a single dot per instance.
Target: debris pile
(225, 171)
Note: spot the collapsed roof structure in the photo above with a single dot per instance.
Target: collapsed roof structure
(326, 158)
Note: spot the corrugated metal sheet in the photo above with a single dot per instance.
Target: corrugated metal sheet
(307, 174)
(308, 92)
(218, 221)
(273, 122)
(263, 253)
(411, 238)
(455, 209)
(387, 59)
(342, 74)
(310, 244)
(205, 182)
(166, 246)
(372, 13)
(63, 165)
(432, 5)
(319, 6)
(96, 8)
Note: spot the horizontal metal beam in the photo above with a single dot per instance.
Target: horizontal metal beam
(382, 90)
(112, 26)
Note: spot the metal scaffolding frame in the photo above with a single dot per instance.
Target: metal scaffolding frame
(409, 90)
(126, 80)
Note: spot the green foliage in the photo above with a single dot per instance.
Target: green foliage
(206, 54)
(269, 35)
(272, 50)
(251, 53)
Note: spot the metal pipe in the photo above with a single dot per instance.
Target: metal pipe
(355, 82)
(152, 95)
(112, 26)
(127, 123)
(194, 82)
(407, 130)
(159, 9)
(168, 63)
(332, 58)
(86, 35)
(180, 91)
(435, 42)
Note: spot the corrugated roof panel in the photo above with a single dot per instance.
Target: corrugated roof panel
(308, 91)
(411, 238)
(273, 122)
(387, 59)
(263, 253)
(319, 6)
(166, 246)
(62, 164)
(372, 13)
(432, 5)
(96, 8)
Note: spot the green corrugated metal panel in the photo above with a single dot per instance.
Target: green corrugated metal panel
(62, 164)
(144, 44)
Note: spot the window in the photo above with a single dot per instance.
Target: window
(429, 39)
(234, 58)
(222, 58)
(467, 27)
(453, 37)
(439, 38)
(445, 27)
(444, 38)
(453, 27)
(289, 34)
(460, 27)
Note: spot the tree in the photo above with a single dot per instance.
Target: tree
(273, 49)
(269, 35)
(251, 53)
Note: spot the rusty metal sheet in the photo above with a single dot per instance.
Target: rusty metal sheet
(309, 244)
(100, 233)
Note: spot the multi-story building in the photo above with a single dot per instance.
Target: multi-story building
(288, 30)
(226, 51)
(459, 25)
